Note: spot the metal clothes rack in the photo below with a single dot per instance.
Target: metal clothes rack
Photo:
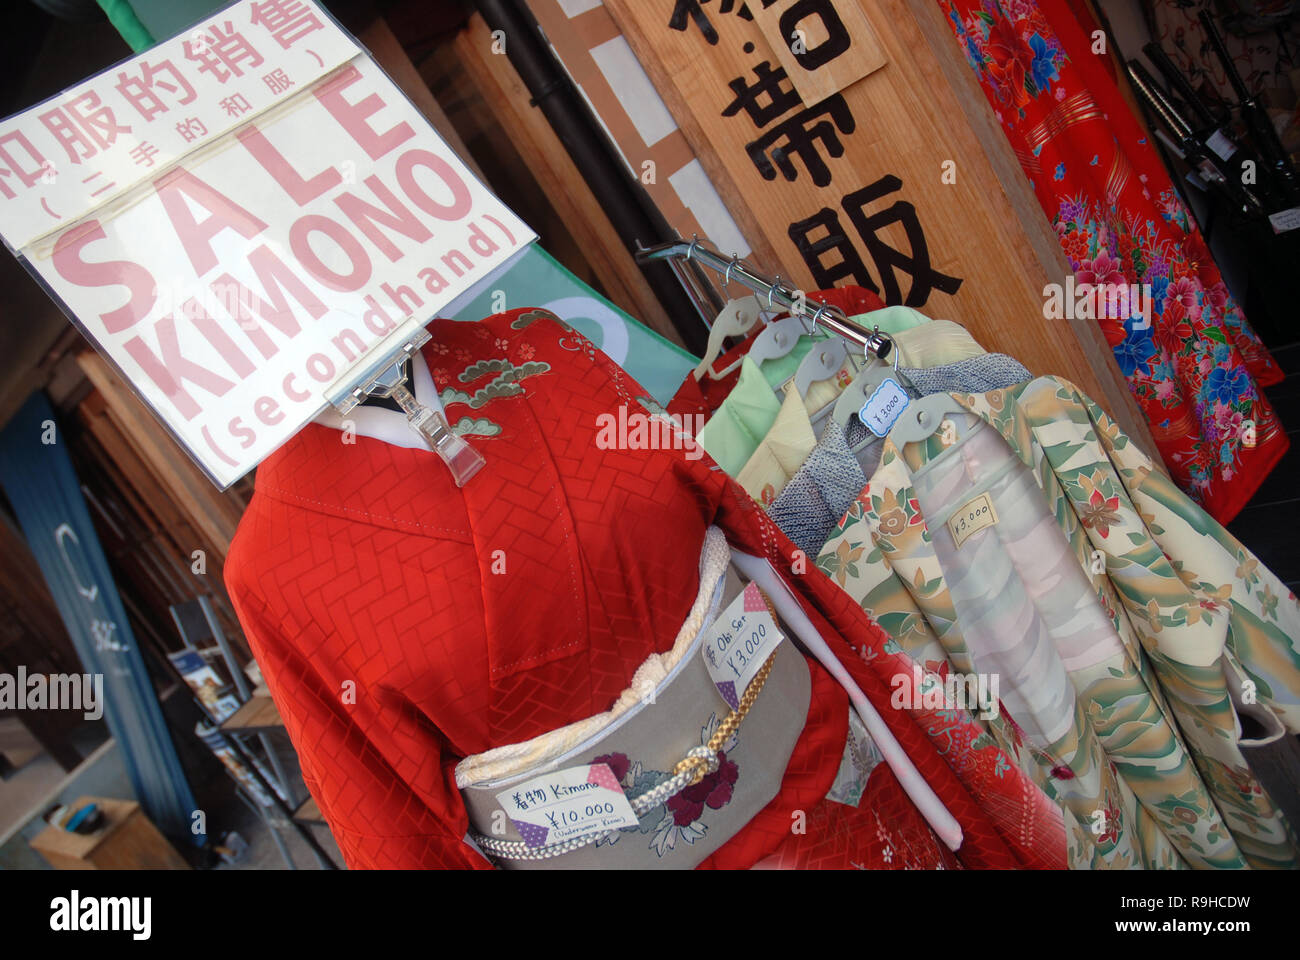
(681, 253)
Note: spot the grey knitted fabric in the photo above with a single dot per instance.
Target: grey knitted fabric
(827, 483)
(988, 371)
(818, 495)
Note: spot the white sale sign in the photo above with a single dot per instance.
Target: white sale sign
(242, 216)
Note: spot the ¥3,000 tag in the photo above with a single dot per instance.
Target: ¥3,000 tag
(738, 644)
(567, 804)
(973, 517)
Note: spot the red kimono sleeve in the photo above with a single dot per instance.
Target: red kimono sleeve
(377, 818)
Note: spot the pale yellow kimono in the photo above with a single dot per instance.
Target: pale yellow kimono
(1129, 628)
(783, 449)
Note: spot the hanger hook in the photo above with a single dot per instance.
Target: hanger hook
(772, 289)
(695, 242)
(726, 278)
(816, 317)
(877, 344)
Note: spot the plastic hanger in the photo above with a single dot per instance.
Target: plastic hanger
(862, 386)
(736, 319)
(823, 361)
(923, 417)
(777, 339)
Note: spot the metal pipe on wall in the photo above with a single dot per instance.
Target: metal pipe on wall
(637, 221)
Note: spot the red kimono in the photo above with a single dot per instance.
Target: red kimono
(1197, 366)
(403, 624)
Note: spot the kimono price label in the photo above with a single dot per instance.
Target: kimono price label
(1220, 144)
(885, 405)
(738, 643)
(1285, 220)
(973, 517)
(567, 804)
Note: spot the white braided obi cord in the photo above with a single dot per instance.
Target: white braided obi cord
(519, 850)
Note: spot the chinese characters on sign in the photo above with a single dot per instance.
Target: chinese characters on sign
(823, 47)
(97, 140)
(793, 141)
(889, 260)
(692, 11)
(296, 213)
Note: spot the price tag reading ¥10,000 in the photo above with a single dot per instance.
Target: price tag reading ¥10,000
(567, 804)
(883, 407)
(738, 643)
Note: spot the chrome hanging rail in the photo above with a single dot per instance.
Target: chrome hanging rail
(734, 268)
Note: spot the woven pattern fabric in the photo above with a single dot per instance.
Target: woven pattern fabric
(991, 371)
(512, 759)
(819, 493)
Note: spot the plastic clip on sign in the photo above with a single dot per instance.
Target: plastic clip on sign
(462, 460)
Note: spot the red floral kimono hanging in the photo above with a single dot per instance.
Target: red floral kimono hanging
(1197, 366)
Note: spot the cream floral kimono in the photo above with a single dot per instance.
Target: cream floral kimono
(1127, 629)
